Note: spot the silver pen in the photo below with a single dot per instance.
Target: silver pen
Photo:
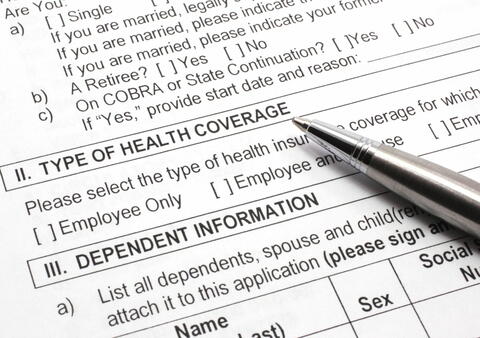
(438, 190)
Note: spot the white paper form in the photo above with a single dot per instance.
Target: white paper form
(154, 186)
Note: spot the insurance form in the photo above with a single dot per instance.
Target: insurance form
(152, 184)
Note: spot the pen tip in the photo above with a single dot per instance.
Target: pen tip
(301, 123)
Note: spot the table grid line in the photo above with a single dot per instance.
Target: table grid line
(343, 307)
(317, 280)
(408, 297)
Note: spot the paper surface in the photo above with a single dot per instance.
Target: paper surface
(154, 186)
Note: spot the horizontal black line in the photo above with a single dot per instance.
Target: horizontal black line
(469, 169)
(401, 255)
(425, 47)
(200, 215)
(347, 323)
(306, 283)
(221, 112)
(358, 319)
(452, 147)
(204, 243)
(146, 156)
(382, 312)
(445, 293)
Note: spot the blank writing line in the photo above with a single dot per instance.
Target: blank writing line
(426, 47)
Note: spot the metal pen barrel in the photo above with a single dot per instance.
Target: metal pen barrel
(436, 189)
